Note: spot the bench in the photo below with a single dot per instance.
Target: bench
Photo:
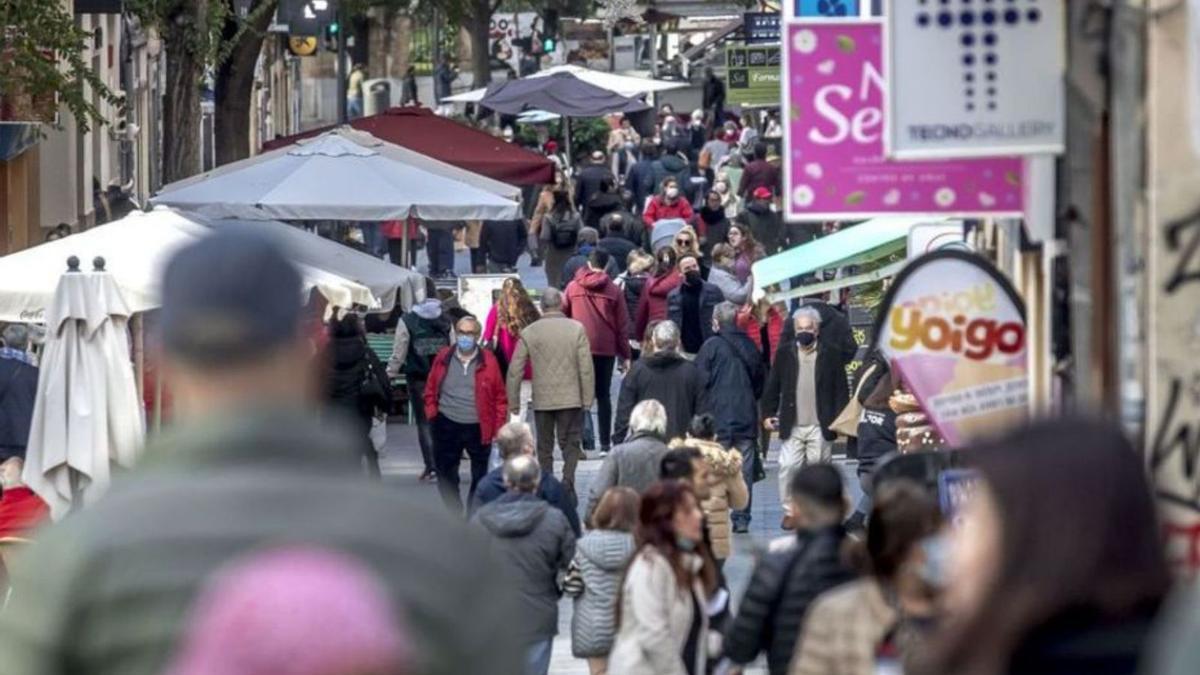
(383, 344)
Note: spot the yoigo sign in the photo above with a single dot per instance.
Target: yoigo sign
(970, 78)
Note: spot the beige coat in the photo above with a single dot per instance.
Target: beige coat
(843, 629)
(561, 355)
(727, 490)
(656, 615)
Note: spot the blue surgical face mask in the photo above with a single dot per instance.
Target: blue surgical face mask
(466, 343)
(686, 545)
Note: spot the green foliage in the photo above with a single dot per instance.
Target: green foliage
(588, 135)
(42, 55)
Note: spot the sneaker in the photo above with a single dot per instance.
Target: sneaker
(604, 451)
(741, 528)
(429, 476)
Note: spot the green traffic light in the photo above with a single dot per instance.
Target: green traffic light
(333, 28)
(548, 45)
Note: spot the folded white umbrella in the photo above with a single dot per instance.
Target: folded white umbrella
(625, 85)
(88, 416)
(339, 175)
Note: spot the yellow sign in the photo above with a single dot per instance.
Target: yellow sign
(302, 45)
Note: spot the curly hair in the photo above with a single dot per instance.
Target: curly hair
(514, 309)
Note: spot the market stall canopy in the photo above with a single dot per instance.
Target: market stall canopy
(335, 176)
(566, 95)
(87, 416)
(623, 85)
(136, 249)
(446, 140)
(868, 241)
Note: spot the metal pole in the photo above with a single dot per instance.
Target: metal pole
(567, 141)
(341, 66)
(654, 50)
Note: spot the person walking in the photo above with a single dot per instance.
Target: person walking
(596, 302)
(354, 91)
(668, 204)
(603, 202)
(733, 376)
(439, 248)
(408, 88)
(713, 223)
(443, 82)
(764, 322)
(563, 383)
(762, 222)
(242, 409)
(591, 178)
(513, 440)
(420, 335)
(726, 488)
(599, 565)
(502, 242)
(560, 231)
(857, 627)
(664, 376)
(358, 384)
(17, 399)
(542, 206)
(723, 276)
(785, 583)
(746, 249)
(759, 174)
(465, 400)
(512, 313)
(663, 623)
(652, 306)
(637, 272)
(616, 243)
(805, 392)
(690, 305)
(714, 96)
(535, 543)
(633, 464)
(589, 239)
(640, 179)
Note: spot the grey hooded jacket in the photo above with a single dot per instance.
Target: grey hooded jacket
(536, 542)
(601, 557)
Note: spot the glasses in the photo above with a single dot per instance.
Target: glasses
(684, 242)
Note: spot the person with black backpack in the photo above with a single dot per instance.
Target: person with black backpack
(733, 375)
(560, 230)
(358, 384)
(787, 581)
(420, 335)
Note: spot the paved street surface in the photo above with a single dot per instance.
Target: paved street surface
(402, 465)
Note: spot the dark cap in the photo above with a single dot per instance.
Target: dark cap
(229, 297)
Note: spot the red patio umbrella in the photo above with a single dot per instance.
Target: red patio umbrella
(444, 139)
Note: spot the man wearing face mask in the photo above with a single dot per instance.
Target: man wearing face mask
(691, 305)
(806, 390)
(466, 402)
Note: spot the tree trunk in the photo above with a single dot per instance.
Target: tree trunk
(181, 98)
(235, 88)
(479, 23)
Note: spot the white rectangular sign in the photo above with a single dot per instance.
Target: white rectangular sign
(971, 78)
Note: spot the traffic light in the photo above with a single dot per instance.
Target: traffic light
(549, 30)
(332, 35)
(549, 44)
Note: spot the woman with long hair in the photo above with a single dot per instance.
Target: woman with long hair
(601, 557)
(747, 250)
(856, 628)
(663, 624)
(512, 312)
(358, 386)
(1058, 566)
(637, 272)
(653, 304)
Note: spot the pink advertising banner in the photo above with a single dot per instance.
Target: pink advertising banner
(834, 165)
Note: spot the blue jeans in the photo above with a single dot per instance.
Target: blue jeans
(538, 657)
(747, 448)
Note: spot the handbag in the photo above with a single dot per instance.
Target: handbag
(846, 423)
(572, 581)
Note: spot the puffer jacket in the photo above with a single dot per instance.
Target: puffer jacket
(656, 615)
(535, 541)
(668, 378)
(734, 291)
(601, 557)
(727, 490)
(782, 588)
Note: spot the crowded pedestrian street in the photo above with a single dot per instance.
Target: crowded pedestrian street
(599, 337)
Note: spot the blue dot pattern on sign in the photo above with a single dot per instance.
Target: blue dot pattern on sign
(832, 8)
(967, 18)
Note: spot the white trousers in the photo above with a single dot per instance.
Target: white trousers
(521, 416)
(806, 445)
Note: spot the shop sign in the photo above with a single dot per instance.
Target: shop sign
(834, 163)
(954, 329)
(975, 79)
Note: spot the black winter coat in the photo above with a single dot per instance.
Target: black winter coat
(668, 378)
(601, 204)
(640, 182)
(349, 386)
(18, 392)
(836, 351)
(782, 588)
(765, 224)
(618, 247)
(633, 295)
(733, 381)
(550, 490)
(587, 182)
(710, 297)
(504, 240)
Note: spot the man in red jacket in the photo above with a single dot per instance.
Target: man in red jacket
(595, 301)
(466, 403)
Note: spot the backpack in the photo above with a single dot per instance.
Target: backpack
(564, 232)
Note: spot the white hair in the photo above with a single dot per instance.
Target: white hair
(808, 313)
(648, 417)
(512, 439)
(522, 473)
(665, 336)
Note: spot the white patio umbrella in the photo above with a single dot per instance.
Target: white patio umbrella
(625, 85)
(338, 175)
(88, 416)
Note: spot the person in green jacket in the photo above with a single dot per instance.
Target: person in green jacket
(249, 465)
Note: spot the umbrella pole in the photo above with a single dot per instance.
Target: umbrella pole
(158, 398)
(567, 141)
(404, 244)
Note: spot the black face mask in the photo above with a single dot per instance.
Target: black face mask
(692, 278)
(806, 339)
